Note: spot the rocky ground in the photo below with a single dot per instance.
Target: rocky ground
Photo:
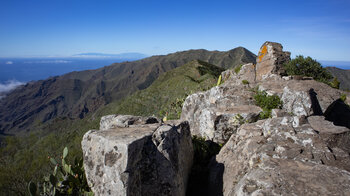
(296, 151)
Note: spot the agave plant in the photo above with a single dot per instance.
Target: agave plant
(66, 179)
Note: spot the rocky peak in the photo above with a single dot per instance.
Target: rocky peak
(270, 60)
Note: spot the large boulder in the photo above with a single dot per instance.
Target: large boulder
(280, 156)
(216, 114)
(142, 159)
(270, 60)
(295, 94)
(246, 72)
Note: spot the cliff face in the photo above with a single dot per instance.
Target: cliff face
(295, 151)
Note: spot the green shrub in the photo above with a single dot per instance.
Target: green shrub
(343, 97)
(208, 68)
(238, 68)
(308, 67)
(265, 114)
(267, 103)
(175, 109)
(335, 83)
(245, 82)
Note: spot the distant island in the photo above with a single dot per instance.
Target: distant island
(130, 55)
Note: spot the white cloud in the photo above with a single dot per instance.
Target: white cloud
(48, 61)
(9, 63)
(9, 85)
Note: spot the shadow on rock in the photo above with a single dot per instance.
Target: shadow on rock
(204, 155)
(315, 105)
(339, 113)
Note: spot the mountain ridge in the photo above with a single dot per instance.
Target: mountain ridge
(77, 93)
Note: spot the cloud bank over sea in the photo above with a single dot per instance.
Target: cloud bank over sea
(9, 85)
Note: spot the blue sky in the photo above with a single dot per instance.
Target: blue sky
(320, 29)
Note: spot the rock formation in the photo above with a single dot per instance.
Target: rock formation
(142, 159)
(281, 156)
(296, 152)
(270, 59)
(210, 112)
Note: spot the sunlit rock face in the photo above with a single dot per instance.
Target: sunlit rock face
(138, 159)
(270, 60)
(283, 156)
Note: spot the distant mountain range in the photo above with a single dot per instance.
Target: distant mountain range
(131, 55)
(76, 94)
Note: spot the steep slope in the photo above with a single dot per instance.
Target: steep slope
(167, 92)
(342, 75)
(78, 93)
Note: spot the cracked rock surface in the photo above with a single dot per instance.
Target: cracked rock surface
(139, 159)
(280, 156)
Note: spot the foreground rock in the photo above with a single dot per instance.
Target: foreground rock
(143, 159)
(281, 156)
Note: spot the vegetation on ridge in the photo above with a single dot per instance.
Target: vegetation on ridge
(267, 103)
(168, 92)
(311, 68)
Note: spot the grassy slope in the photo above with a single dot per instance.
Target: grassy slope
(25, 158)
(157, 99)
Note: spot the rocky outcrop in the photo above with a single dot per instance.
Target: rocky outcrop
(292, 153)
(270, 60)
(280, 156)
(296, 97)
(211, 113)
(246, 72)
(208, 111)
(138, 159)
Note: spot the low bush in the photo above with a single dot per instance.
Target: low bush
(245, 82)
(308, 67)
(335, 83)
(267, 103)
(238, 68)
